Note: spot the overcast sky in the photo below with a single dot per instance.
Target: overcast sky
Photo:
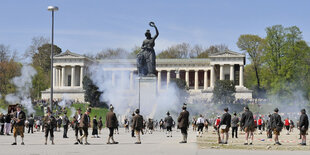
(88, 26)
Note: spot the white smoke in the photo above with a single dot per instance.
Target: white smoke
(73, 111)
(23, 85)
(125, 100)
(65, 102)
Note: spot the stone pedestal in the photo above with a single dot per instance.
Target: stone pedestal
(147, 86)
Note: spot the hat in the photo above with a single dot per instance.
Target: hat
(79, 109)
(137, 111)
(168, 113)
(303, 111)
(246, 107)
(88, 110)
(276, 110)
(19, 106)
(226, 109)
(184, 106)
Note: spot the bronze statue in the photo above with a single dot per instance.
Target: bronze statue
(146, 57)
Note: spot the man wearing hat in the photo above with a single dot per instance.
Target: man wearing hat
(303, 126)
(183, 123)
(247, 123)
(225, 125)
(65, 123)
(84, 124)
(276, 125)
(169, 122)
(77, 129)
(137, 125)
(19, 118)
(234, 125)
(111, 123)
(49, 123)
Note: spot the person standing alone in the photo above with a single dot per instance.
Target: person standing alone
(183, 123)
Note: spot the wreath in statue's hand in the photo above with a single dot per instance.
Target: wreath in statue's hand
(152, 24)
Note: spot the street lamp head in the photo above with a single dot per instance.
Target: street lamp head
(52, 8)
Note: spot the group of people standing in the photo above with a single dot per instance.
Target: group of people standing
(248, 124)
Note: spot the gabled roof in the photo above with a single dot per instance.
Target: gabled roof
(227, 53)
(69, 54)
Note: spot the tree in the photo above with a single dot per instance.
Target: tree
(180, 83)
(40, 82)
(179, 51)
(92, 93)
(36, 42)
(110, 53)
(224, 92)
(252, 44)
(9, 68)
(43, 57)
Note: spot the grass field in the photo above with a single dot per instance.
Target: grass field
(289, 142)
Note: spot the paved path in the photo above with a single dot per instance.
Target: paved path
(156, 143)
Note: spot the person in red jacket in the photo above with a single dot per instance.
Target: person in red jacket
(287, 125)
(260, 123)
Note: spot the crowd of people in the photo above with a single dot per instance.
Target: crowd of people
(17, 123)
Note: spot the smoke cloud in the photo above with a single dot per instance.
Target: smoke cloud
(23, 85)
(125, 100)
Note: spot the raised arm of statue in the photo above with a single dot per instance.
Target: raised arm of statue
(152, 24)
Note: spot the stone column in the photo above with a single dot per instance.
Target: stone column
(205, 81)
(231, 73)
(63, 75)
(131, 80)
(81, 76)
(196, 80)
(177, 74)
(54, 76)
(158, 80)
(187, 77)
(113, 78)
(212, 77)
(59, 77)
(168, 78)
(221, 72)
(72, 76)
(241, 76)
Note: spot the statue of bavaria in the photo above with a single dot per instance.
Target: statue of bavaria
(146, 62)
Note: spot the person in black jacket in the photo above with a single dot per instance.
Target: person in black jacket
(276, 125)
(247, 123)
(303, 126)
(31, 123)
(65, 123)
(225, 125)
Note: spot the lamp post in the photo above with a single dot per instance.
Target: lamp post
(53, 9)
(139, 94)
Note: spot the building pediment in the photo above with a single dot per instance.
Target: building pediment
(68, 54)
(227, 53)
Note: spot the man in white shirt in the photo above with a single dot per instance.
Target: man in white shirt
(200, 123)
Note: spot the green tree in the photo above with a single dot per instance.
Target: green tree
(43, 57)
(40, 82)
(224, 92)
(92, 93)
(252, 44)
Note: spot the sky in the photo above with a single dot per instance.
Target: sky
(89, 26)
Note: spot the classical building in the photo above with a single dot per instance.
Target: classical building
(199, 74)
